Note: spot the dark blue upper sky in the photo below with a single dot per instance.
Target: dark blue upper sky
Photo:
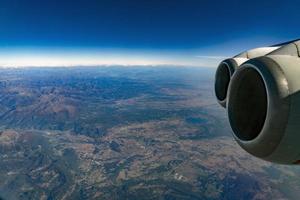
(146, 24)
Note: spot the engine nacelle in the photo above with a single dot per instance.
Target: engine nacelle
(263, 105)
(227, 68)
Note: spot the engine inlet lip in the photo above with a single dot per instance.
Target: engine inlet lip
(230, 65)
(277, 107)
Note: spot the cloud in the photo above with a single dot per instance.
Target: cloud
(50, 57)
(212, 57)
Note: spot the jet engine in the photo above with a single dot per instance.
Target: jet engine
(263, 103)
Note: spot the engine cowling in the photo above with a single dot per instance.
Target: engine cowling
(263, 105)
(227, 68)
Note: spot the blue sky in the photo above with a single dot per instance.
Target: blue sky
(179, 32)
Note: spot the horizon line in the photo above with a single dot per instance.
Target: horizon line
(102, 65)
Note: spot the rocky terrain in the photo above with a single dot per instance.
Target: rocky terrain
(125, 133)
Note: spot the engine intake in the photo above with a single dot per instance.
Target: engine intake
(248, 104)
